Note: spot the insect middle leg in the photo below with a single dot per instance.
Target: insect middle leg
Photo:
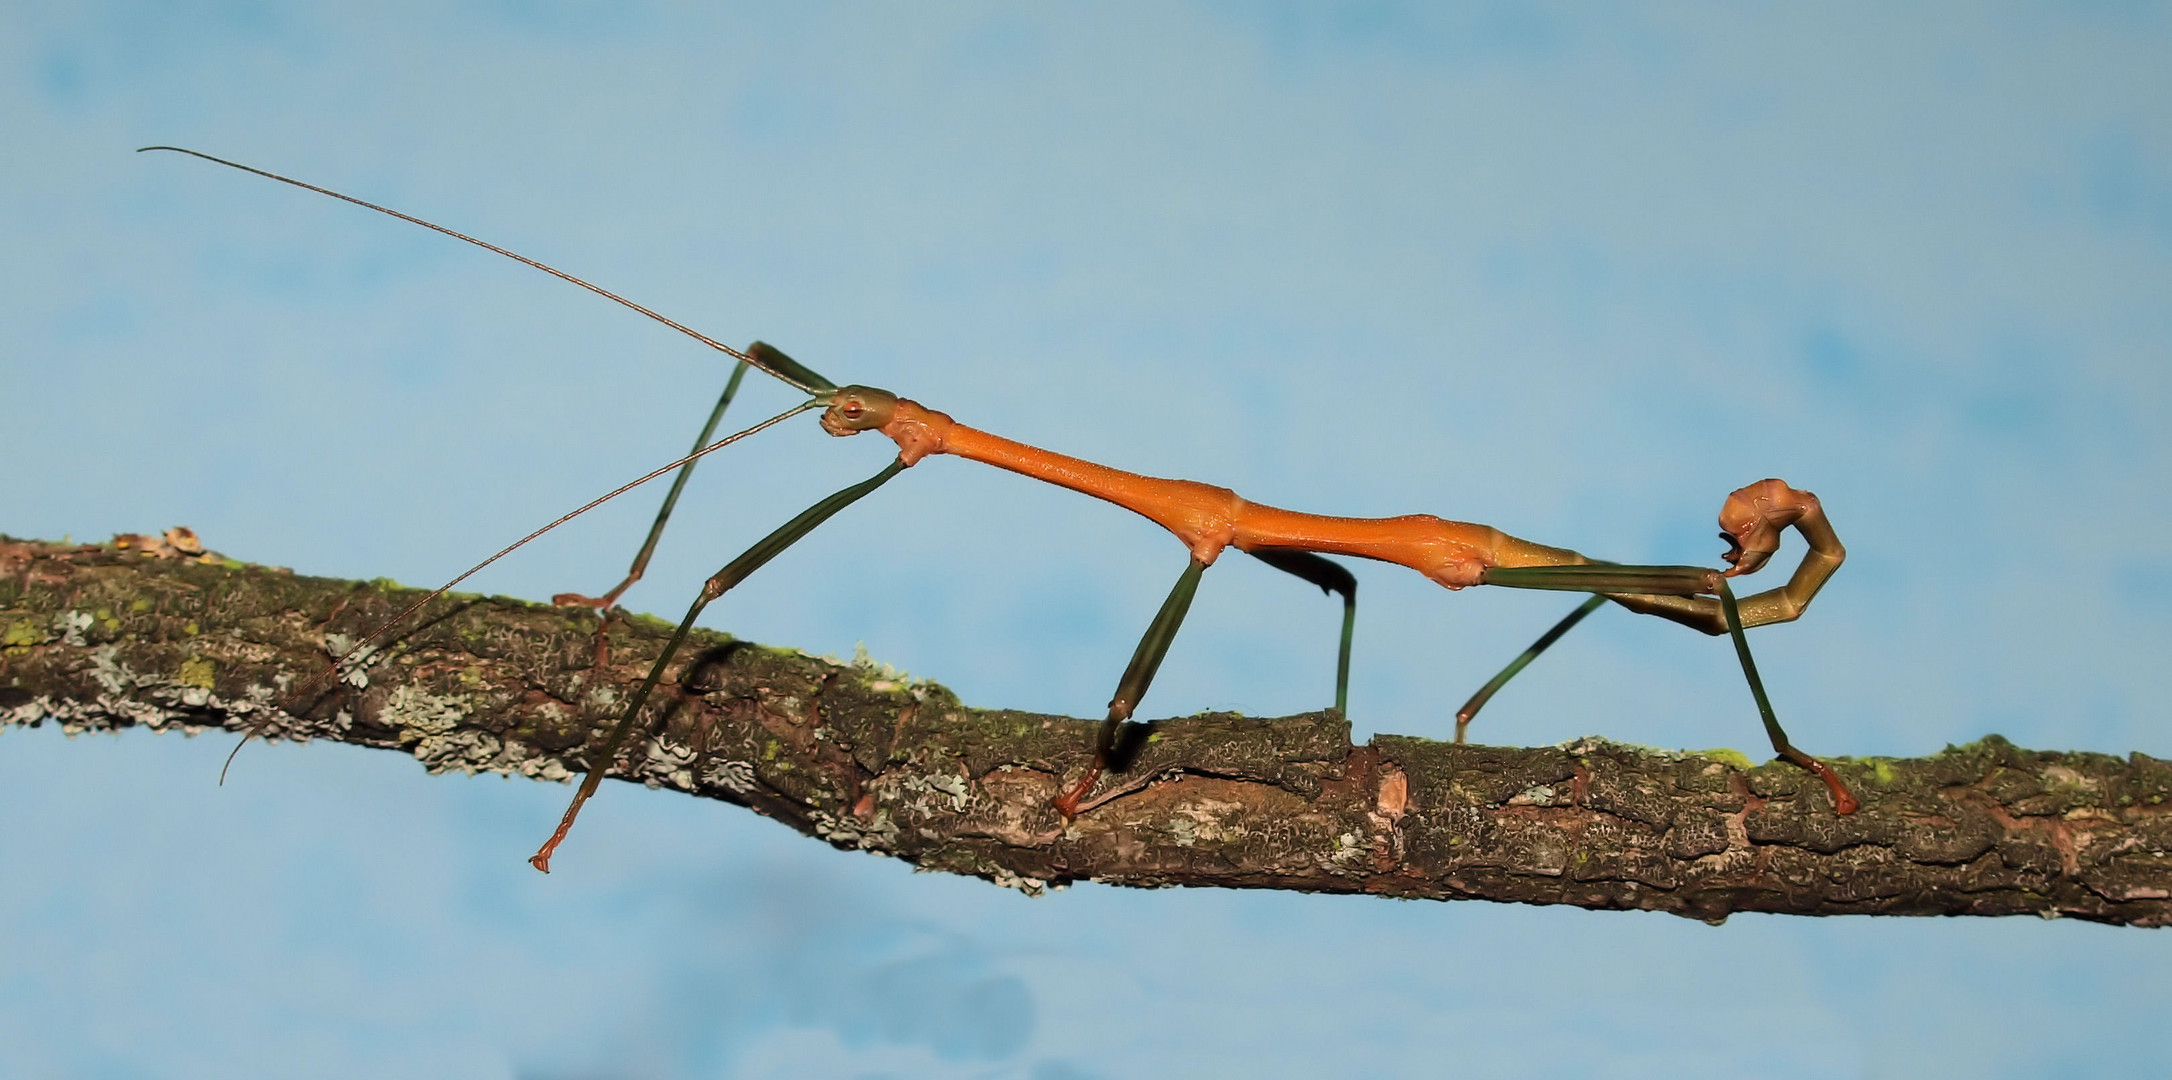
(1138, 675)
(1331, 577)
(734, 572)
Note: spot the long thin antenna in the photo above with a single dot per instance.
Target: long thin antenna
(515, 256)
(516, 545)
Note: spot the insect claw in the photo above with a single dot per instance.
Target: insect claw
(601, 604)
(1067, 803)
(1844, 802)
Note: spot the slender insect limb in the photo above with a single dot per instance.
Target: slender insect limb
(1331, 577)
(1661, 581)
(771, 358)
(1493, 686)
(381, 628)
(734, 572)
(1843, 800)
(671, 499)
(1138, 675)
(602, 657)
(1607, 578)
(1751, 522)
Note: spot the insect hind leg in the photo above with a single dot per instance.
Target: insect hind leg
(1686, 581)
(1331, 577)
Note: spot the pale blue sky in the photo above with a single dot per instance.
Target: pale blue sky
(1573, 272)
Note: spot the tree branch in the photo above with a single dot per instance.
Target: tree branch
(105, 637)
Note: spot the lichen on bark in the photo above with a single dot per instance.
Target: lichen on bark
(852, 754)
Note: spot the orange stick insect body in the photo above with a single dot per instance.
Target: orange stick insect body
(1456, 554)
(1208, 520)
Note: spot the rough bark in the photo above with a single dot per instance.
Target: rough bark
(105, 637)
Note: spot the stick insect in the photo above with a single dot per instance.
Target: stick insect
(1208, 520)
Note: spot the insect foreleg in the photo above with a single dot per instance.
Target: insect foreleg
(671, 499)
(770, 359)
